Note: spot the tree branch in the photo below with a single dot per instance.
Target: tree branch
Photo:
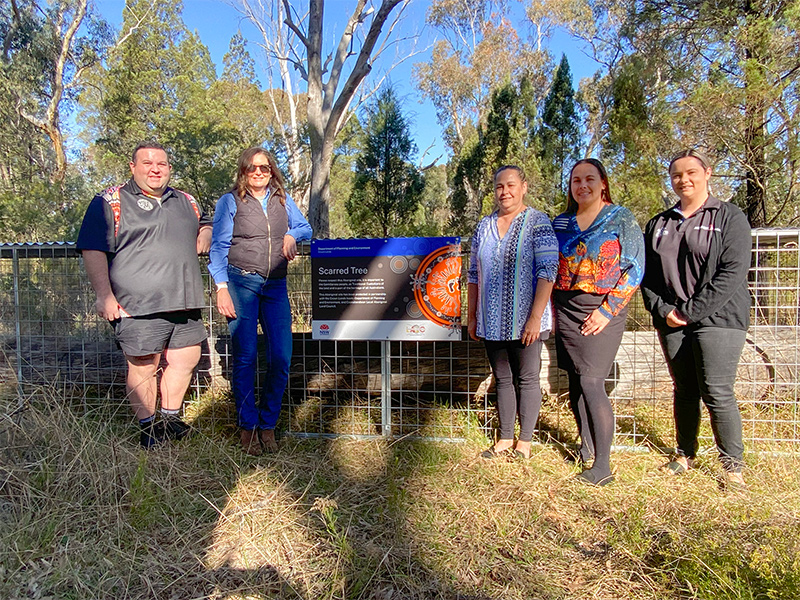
(362, 66)
(342, 51)
(289, 22)
(15, 24)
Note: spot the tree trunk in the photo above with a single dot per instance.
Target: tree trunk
(326, 109)
(754, 134)
(320, 193)
(474, 205)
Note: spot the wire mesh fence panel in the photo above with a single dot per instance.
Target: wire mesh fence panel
(51, 336)
(767, 386)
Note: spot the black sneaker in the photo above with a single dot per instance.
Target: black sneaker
(175, 428)
(152, 435)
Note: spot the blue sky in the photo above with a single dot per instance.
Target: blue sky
(216, 22)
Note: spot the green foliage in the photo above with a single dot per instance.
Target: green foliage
(727, 73)
(466, 80)
(469, 186)
(348, 148)
(237, 91)
(387, 187)
(239, 66)
(31, 35)
(559, 132)
(38, 192)
(508, 137)
(639, 186)
(42, 212)
(434, 211)
(156, 86)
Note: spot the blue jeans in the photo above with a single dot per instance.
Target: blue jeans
(703, 362)
(266, 301)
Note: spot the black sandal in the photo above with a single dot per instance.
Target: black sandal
(589, 477)
(492, 453)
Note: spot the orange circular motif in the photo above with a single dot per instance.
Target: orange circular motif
(437, 286)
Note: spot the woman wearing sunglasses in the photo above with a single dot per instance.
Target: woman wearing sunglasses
(256, 230)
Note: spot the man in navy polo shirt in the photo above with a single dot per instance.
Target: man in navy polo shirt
(140, 243)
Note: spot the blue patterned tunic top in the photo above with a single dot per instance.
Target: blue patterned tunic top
(506, 271)
(607, 258)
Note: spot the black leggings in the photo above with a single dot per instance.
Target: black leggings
(594, 416)
(516, 375)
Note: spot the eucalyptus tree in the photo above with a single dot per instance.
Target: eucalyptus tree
(722, 75)
(480, 51)
(732, 68)
(317, 81)
(46, 48)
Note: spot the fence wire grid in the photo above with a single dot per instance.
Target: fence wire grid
(51, 337)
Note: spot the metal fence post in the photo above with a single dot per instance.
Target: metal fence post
(386, 388)
(17, 319)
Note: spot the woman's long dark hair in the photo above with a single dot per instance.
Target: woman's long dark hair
(572, 205)
(276, 183)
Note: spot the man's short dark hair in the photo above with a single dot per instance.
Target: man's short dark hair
(148, 146)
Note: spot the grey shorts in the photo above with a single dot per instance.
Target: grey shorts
(150, 334)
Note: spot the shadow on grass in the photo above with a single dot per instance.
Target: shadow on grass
(325, 518)
(85, 514)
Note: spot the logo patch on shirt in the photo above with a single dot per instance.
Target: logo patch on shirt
(145, 204)
(661, 232)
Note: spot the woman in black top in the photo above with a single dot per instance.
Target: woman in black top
(695, 287)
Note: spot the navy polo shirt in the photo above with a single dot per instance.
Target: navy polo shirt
(683, 244)
(152, 257)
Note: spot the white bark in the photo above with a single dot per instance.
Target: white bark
(50, 122)
(294, 43)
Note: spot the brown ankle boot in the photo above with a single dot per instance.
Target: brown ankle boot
(268, 440)
(250, 443)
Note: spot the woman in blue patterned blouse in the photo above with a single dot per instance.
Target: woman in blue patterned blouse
(512, 268)
(600, 265)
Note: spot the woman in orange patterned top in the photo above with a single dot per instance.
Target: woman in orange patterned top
(600, 265)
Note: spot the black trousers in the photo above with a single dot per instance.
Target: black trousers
(516, 375)
(703, 363)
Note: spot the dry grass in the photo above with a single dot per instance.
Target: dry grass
(85, 514)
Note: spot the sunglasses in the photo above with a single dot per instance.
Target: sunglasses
(262, 168)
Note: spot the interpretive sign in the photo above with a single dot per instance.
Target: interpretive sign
(386, 289)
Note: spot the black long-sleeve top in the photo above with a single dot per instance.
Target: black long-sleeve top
(698, 265)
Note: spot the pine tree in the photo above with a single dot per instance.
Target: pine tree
(559, 133)
(387, 186)
(238, 65)
(506, 138)
(237, 92)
